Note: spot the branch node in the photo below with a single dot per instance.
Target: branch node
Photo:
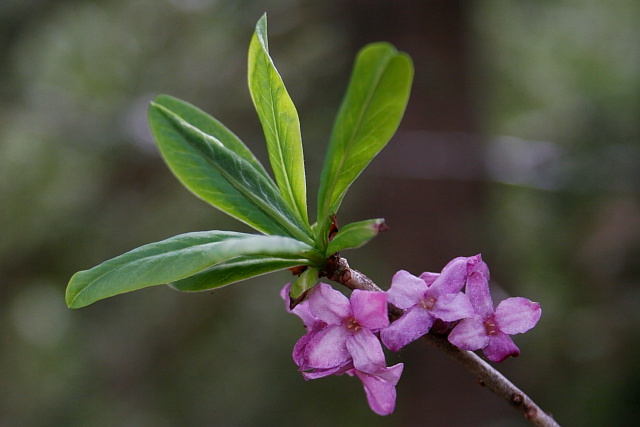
(517, 399)
(531, 413)
(345, 276)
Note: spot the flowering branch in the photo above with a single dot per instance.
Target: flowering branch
(344, 336)
(338, 270)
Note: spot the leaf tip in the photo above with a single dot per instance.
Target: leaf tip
(71, 295)
(74, 290)
(380, 225)
(261, 31)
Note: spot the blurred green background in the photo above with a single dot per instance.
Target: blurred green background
(521, 141)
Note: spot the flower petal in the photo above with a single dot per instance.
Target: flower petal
(370, 309)
(450, 307)
(500, 347)
(321, 373)
(517, 315)
(301, 310)
(299, 350)
(392, 373)
(478, 293)
(329, 304)
(310, 321)
(406, 290)
(429, 278)
(453, 277)
(327, 348)
(413, 324)
(475, 263)
(366, 351)
(469, 334)
(284, 294)
(380, 389)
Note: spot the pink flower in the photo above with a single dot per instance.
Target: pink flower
(348, 333)
(380, 388)
(310, 321)
(427, 298)
(489, 330)
(340, 340)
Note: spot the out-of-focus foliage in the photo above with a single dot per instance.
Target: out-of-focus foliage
(576, 86)
(80, 182)
(563, 83)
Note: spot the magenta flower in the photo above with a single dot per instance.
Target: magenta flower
(310, 321)
(427, 298)
(348, 334)
(340, 340)
(489, 330)
(380, 388)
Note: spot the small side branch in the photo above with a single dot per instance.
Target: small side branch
(338, 270)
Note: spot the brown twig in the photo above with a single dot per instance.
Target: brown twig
(338, 270)
(489, 377)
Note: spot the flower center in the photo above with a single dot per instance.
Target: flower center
(428, 303)
(490, 327)
(353, 324)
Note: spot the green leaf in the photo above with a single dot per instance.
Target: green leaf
(209, 125)
(303, 283)
(234, 270)
(356, 234)
(370, 113)
(280, 122)
(221, 177)
(173, 259)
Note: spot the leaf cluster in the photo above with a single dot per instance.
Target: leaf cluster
(216, 166)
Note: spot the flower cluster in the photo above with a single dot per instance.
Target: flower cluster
(344, 335)
(341, 339)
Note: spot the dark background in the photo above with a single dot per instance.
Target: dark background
(520, 142)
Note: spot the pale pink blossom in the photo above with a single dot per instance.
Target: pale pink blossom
(489, 329)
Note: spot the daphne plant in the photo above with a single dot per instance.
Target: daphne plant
(344, 335)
